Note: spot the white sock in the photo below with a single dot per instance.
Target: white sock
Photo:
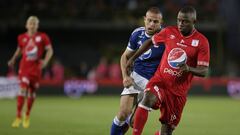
(118, 122)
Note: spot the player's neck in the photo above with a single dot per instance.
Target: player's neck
(185, 34)
(31, 33)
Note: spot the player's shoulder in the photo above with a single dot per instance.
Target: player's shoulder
(169, 29)
(22, 35)
(201, 37)
(40, 33)
(138, 30)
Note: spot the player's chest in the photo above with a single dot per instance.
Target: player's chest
(186, 45)
(36, 41)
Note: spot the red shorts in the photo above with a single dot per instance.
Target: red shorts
(30, 74)
(171, 106)
(29, 82)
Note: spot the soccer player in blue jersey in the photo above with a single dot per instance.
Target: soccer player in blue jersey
(143, 69)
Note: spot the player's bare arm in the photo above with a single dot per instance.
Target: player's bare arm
(48, 56)
(144, 47)
(127, 80)
(200, 71)
(17, 54)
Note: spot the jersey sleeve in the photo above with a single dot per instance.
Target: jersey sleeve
(132, 43)
(46, 40)
(204, 53)
(160, 37)
(19, 39)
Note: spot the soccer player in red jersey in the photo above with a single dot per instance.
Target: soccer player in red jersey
(31, 45)
(186, 54)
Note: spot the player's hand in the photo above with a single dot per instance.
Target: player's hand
(184, 67)
(128, 81)
(11, 62)
(43, 64)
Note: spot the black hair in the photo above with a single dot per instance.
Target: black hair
(189, 9)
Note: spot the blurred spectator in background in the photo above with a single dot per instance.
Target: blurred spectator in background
(92, 74)
(83, 69)
(114, 70)
(57, 70)
(102, 68)
(11, 72)
(229, 11)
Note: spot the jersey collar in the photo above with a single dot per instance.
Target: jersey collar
(147, 35)
(193, 32)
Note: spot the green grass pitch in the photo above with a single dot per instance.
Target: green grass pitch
(92, 115)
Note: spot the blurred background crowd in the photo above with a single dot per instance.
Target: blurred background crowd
(89, 36)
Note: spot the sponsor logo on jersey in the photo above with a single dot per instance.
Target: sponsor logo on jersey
(182, 45)
(182, 41)
(176, 57)
(172, 72)
(31, 51)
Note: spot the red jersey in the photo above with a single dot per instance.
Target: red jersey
(192, 50)
(32, 49)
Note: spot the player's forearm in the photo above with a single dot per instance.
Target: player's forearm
(123, 62)
(48, 55)
(199, 71)
(16, 54)
(144, 47)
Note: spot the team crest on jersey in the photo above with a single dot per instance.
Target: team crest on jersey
(38, 39)
(195, 42)
(176, 57)
(146, 55)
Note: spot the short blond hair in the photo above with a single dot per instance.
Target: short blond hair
(35, 18)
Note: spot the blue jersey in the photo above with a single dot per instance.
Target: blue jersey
(146, 64)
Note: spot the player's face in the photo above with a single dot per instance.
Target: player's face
(185, 22)
(32, 25)
(152, 22)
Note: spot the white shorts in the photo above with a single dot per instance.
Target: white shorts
(139, 85)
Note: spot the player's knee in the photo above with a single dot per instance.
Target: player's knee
(167, 129)
(149, 99)
(22, 92)
(31, 94)
(123, 114)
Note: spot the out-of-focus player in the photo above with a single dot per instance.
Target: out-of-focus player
(31, 46)
(144, 68)
(186, 54)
